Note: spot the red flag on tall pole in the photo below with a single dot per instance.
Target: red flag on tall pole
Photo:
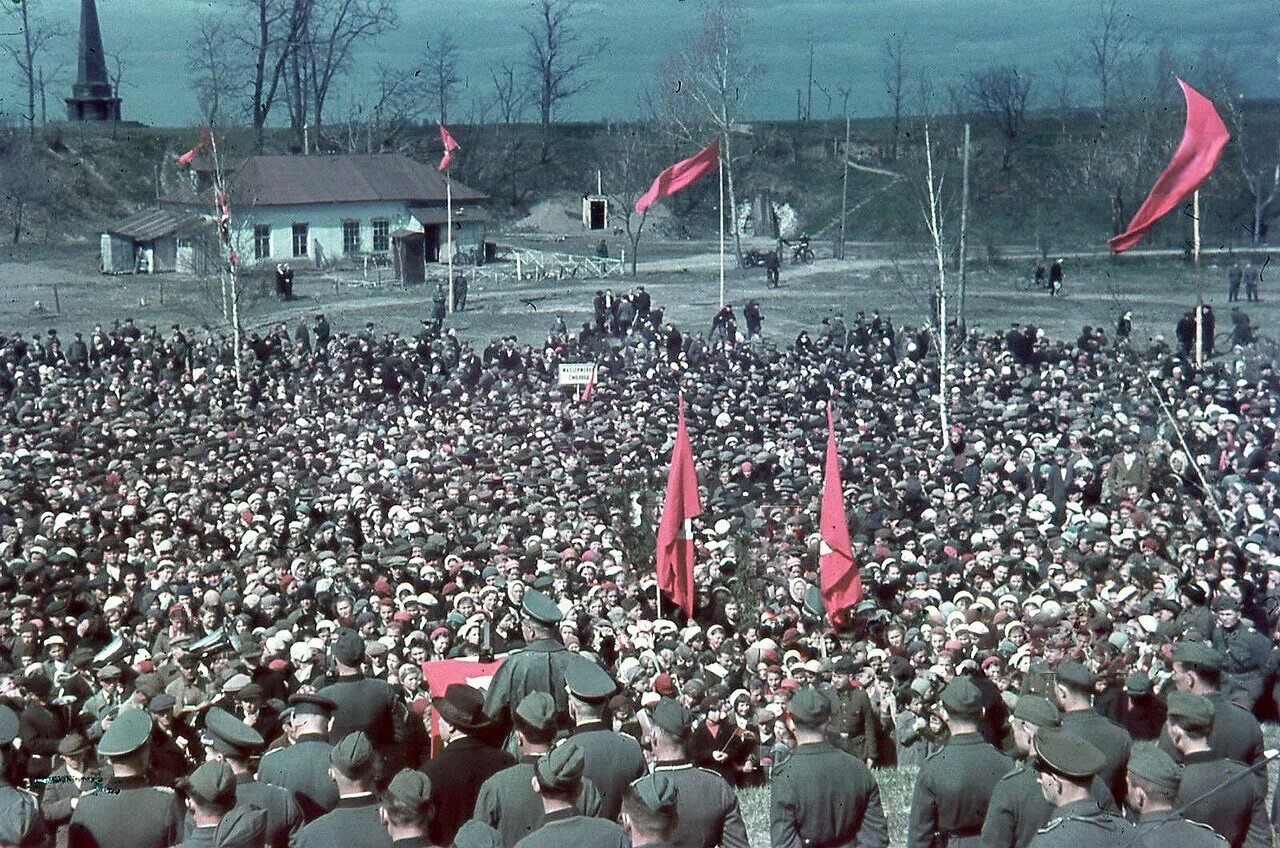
(840, 582)
(449, 146)
(675, 532)
(1203, 139)
(201, 144)
(680, 176)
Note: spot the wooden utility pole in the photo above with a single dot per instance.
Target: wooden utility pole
(844, 182)
(935, 230)
(964, 229)
(1195, 227)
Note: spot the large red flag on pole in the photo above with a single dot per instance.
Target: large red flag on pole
(1203, 139)
(840, 582)
(680, 176)
(675, 532)
(449, 146)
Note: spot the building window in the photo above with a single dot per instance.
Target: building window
(262, 241)
(381, 235)
(350, 237)
(301, 237)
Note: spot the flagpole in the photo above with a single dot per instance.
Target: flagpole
(720, 169)
(448, 198)
(1195, 227)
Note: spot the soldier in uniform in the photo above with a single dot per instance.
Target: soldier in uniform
(1073, 691)
(1153, 785)
(228, 739)
(407, 809)
(363, 704)
(1236, 734)
(303, 767)
(355, 822)
(650, 811)
(62, 793)
(557, 777)
(1237, 810)
(538, 667)
(211, 801)
(507, 800)
(129, 813)
(709, 815)
(613, 759)
(956, 782)
(12, 799)
(1018, 808)
(466, 762)
(854, 727)
(1066, 766)
(1245, 652)
(821, 795)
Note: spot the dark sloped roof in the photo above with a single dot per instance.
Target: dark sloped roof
(289, 180)
(150, 224)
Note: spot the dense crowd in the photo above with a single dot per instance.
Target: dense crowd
(368, 503)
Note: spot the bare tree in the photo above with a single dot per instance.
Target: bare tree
(556, 56)
(276, 28)
(396, 109)
(440, 69)
(24, 178)
(508, 97)
(1109, 47)
(633, 164)
(36, 36)
(332, 32)
(1001, 94)
(208, 68)
(1065, 68)
(894, 77)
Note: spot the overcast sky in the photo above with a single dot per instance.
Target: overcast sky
(947, 38)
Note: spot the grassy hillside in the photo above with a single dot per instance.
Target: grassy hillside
(1058, 191)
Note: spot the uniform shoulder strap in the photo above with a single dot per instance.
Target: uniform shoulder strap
(1013, 772)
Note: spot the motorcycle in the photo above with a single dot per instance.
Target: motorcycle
(753, 259)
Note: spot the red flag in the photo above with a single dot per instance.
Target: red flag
(440, 673)
(1203, 139)
(680, 176)
(203, 142)
(841, 583)
(675, 532)
(590, 384)
(449, 146)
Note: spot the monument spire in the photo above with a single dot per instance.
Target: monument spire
(92, 97)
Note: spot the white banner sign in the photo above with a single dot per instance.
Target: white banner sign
(576, 373)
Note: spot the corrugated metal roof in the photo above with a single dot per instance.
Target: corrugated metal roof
(291, 180)
(151, 224)
(440, 214)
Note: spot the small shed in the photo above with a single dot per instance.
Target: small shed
(153, 241)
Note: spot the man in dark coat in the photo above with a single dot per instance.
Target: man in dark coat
(558, 776)
(1067, 766)
(232, 741)
(1153, 786)
(1074, 694)
(354, 823)
(854, 727)
(303, 767)
(407, 808)
(211, 802)
(1236, 733)
(465, 763)
(42, 729)
(364, 704)
(538, 667)
(77, 771)
(613, 759)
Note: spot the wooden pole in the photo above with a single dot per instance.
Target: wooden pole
(448, 197)
(57, 302)
(844, 182)
(935, 230)
(964, 228)
(1195, 227)
(1200, 332)
(720, 169)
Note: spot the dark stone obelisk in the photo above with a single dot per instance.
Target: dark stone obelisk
(92, 98)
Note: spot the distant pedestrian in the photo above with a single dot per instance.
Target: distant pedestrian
(1055, 278)
(751, 313)
(1252, 282)
(772, 266)
(1235, 275)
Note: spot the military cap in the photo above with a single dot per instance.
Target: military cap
(962, 698)
(657, 793)
(1156, 767)
(348, 648)
(410, 788)
(353, 754)
(109, 672)
(809, 707)
(20, 821)
(213, 782)
(1225, 602)
(1138, 683)
(229, 735)
(9, 725)
(127, 733)
(540, 608)
(1075, 674)
(1194, 712)
(161, 703)
(72, 745)
(1059, 750)
(537, 710)
(560, 768)
(589, 682)
(672, 716)
(1199, 654)
(1038, 711)
(305, 704)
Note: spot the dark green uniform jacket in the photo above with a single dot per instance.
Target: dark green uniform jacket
(567, 829)
(1018, 809)
(707, 805)
(303, 769)
(1166, 830)
(1083, 824)
(508, 803)
(354, 823)
(1237, 812)
(953, 791)
(538, 668)
(612, 760)
(1109, 738)
(138, 816)
(825, 798)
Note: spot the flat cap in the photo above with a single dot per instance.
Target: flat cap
(229, 735)
(1199, 654)
(1225, 602)
(657, 792)
(809, 707)
(561, 767)
(1059, 750)
(307, 704)
(1156, 767)
(1038, 711)
(589, 682)
(213, 782)
(962, 698)
(353, 755)
(348, 648)
(537, 711)
(672, 716)
(540, 608)
(161, 703)
(127, 733)
(73, 744)
(410, 788)
(1194, 712)
(1076, 674)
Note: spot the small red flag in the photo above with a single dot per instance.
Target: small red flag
(449, 146)
(841, 583)
(675, 532)
(680, 176)
(203, 142)
(1203, 139)
(590, 384)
